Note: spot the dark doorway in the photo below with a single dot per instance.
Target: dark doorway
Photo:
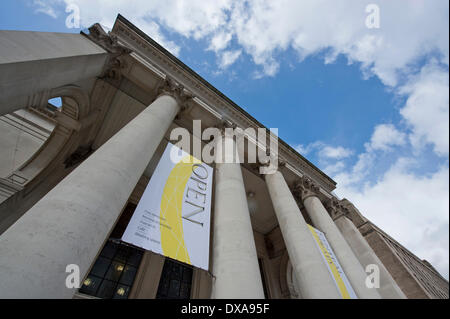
(175, 282)
(113, 273)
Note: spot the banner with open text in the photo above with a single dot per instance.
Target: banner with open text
(173, 216)
(334, 267)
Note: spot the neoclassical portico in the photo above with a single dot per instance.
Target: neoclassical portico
(92, 196)
(134, 93)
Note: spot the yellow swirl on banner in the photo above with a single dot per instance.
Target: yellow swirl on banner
(171, 226)
(337, 276)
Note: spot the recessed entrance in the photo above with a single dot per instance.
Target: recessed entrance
(175, 282)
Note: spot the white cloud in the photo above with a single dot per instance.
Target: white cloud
(302, 149)
(195, 18)
(334, 168)
(385, 136)
(335, 152)
(46, 7)
(152, 29)
(228, 58)
(324, 151)
(427, 108)
(412, 209)
(220, 41)
(357, 173)
(409, 206)
(262, 28)
(307, 149)
(265, 27)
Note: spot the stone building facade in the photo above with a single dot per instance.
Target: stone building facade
(72, 175)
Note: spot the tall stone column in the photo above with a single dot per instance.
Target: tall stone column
(234, 262)
(32, 63)
(311, 273)
(388, 287)
(70, 224)
(322, 220)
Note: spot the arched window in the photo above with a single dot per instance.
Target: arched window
(56, 102)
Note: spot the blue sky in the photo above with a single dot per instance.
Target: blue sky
(367, 106)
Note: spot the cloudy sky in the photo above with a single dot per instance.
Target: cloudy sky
(369, 106)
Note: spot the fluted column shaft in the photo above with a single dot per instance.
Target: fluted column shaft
(352, 268)
(366, 256)
(314, 280)
(234, 262)
(70, 224)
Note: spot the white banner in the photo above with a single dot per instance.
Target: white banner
(335, 269)
(173, 215)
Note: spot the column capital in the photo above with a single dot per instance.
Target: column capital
(304, 188)
(353, 213)
(267, 167)
(110, 43)
(174, 89)
(335, 208)
(107, 41)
